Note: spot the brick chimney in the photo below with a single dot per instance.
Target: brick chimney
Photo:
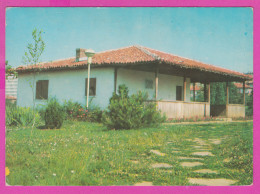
(80, 54)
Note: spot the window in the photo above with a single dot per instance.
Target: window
(42, 89)
(179, 93)
(148, 84)
(92, 87)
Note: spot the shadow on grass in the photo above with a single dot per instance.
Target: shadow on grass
(43, 127)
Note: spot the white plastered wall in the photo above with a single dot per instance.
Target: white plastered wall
(135, 80)
(66, 85)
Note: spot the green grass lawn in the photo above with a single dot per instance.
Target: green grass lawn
(83, 153)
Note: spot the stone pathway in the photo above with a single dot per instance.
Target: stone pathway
(158, 153)
(202, 148)
(188, 158)
(202, 154)
(144, 183)
(211, 182)
(215, 141)
(206, 171)
(200, 141)
(191, 164)
(161, 165)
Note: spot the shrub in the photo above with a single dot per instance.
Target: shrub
(21, 116)
(126, 112)
(73, 110)
(54, 114)
(94, 114)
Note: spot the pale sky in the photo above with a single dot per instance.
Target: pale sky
(218, 36)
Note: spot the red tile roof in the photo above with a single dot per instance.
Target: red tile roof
(197, 88)
(240, 85)
(131, 55)
(10, 97)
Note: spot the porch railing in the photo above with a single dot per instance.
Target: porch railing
(181, 109)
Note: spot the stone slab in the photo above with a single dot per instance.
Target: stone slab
(215, 141)
(158, 153)
(191, 164)
(206, 171)
(189, 158)
(144, 183)
(161, 165)
(202, 154)
(212, 182)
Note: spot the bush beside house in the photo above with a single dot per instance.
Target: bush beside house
(54, 114)
(127, 112)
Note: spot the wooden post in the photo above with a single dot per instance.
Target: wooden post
(184, 88)
(205, 92)
(209, 92)
(115, 79)
(194, 92)
(244, 92)
(227, 96)
(156, 82)
(227, 100)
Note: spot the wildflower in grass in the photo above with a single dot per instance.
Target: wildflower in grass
(54, 174)
(72, 171)
(7, 171)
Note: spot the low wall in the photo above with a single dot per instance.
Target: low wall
(218, 110)
(236, 110)
(229, 110)
(180, 109)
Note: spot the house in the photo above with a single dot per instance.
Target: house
(165, 77)
(11, 88)
(248, 89)
(194, 91)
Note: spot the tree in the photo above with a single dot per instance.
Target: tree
(9, 70)
(218, 93)
(32, 55)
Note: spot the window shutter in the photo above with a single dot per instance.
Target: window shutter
(179, 93)
(45, 84)
(38, 89)
(42, 89)
(92, 87)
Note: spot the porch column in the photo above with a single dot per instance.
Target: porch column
(156, 82)
(209, 92)
(184, 88)
(244, 93)
(227, 96)
(227, 99)
(205, 92)
(194, 92)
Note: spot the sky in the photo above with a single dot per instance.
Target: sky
(217, 36)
